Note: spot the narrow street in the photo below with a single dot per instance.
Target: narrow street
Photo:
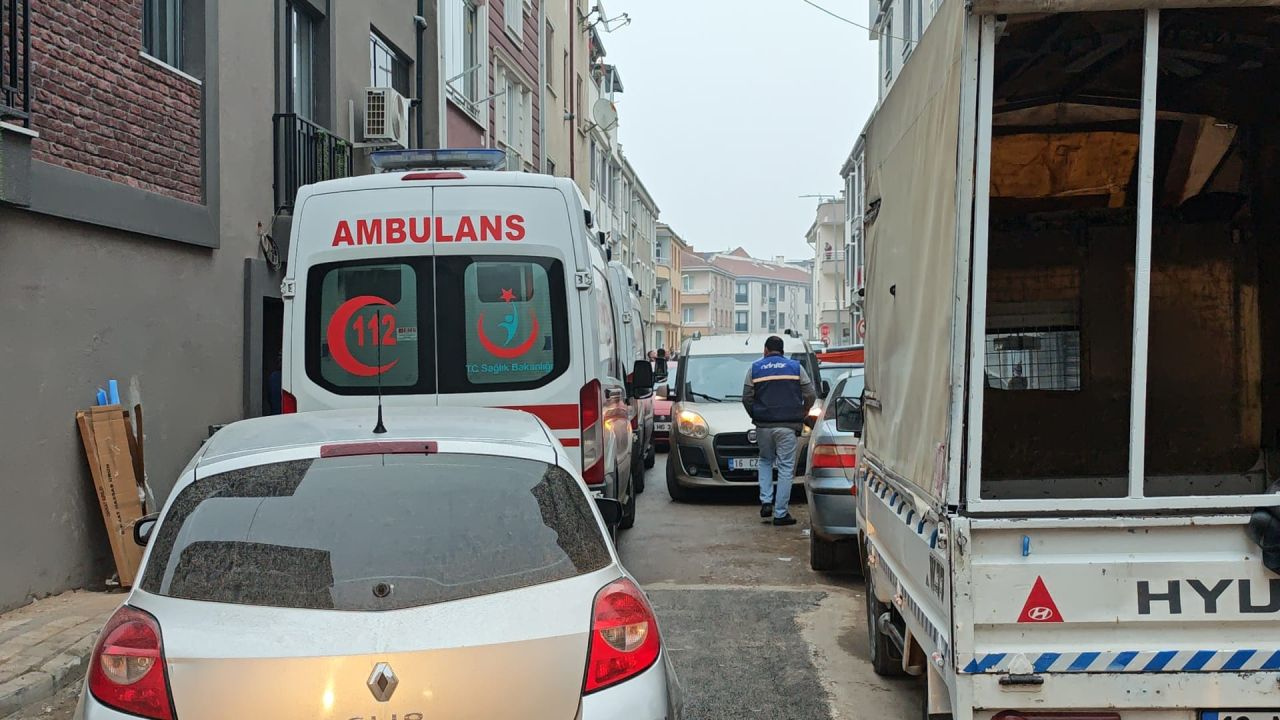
(752, 630)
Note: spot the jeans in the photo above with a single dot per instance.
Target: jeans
(777, 449)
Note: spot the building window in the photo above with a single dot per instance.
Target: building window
(513, 103)
(908, 26)
(740, 293)
(740, 321)
(551, 166)
(513, 15)
(550, 59)
(301, 28)
(886, 46)
(465, 49)
(764, 318)
(387, 67)
(782, 320)
(688, 315)
(1034, 359)
(686, 282)
(162, 30)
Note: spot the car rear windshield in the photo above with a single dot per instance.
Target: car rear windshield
(422, 325)
(374, 532)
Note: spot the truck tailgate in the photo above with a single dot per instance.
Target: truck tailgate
(1116, 595)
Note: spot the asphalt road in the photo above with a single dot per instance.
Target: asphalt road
(753, 632)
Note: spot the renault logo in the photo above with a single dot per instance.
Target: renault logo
(383, 681)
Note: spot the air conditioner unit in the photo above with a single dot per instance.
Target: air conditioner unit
(386, 117)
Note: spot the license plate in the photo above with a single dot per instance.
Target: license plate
(1240, 715)
(745, 464)
(662, 426)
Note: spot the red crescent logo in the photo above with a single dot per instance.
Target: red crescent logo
(508, 353)
(337, 336)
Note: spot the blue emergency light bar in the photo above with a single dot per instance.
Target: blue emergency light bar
(438, 159)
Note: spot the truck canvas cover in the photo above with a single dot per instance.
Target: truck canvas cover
(911, 240)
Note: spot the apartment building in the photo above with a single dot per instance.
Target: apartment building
(853, 173)
(827, 236)
(898, 25)
(669, 248)
(150, 150)
(732, 292)
(570, 42)
(706, 297)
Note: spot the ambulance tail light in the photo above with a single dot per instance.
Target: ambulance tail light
(591, 420)
(288, 403)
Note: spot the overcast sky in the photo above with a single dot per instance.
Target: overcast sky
(733, 108)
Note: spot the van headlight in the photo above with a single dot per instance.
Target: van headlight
(690, 424)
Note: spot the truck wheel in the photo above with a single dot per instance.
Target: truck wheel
(678, 492)
(886, 661)
(822, 553)
(628, 520)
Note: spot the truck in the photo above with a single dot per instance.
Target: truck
(1067, 490)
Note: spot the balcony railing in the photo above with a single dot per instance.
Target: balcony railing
(305, 153)
(15, 61)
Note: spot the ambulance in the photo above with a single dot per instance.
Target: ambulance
(438, 280)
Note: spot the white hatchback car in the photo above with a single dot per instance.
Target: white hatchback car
(453, 566)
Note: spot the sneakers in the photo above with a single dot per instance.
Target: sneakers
(766, 510)
(784, 520)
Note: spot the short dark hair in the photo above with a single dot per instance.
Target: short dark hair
(662, 352)
(773, 344)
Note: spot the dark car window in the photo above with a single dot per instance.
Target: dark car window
(374, 532)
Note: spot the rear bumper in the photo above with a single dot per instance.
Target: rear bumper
(832, 514)
(1165, 695)
(652, 695)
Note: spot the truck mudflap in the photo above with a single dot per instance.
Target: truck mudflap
(1117, 596)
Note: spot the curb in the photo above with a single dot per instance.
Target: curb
(31, 687)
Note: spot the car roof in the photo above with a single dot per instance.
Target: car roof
(741, 343)
(264, 434)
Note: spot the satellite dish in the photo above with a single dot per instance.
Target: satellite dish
(605, 114)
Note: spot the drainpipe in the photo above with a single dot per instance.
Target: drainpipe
(572, 90)
(422, 109)
(542, 85)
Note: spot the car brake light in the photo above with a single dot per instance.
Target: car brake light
(436, 175)
(127, 669)
(828, 455)
(385, 447)
(288, 403)
(590, 411)
(624, 636)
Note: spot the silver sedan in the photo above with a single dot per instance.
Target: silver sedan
(452, 567)
(833, 456)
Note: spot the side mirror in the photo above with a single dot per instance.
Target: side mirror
(610, 510)
(663, 391)
(142, 528)
(849, 416)
(642, 379)
(824, 389)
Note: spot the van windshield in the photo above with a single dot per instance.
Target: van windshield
(503, 325)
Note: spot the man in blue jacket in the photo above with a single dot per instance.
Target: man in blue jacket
(777, 395)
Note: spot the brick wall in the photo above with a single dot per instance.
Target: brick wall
(101, 109)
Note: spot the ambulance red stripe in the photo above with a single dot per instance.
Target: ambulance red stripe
(557, 417)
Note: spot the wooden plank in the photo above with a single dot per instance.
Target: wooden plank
(111, 464)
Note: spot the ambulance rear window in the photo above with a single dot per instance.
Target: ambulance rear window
(506, 327)
(370, 321)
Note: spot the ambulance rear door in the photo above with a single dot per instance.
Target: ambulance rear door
(508, 333)
(362, 316)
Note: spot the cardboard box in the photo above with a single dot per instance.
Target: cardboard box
(108, 442)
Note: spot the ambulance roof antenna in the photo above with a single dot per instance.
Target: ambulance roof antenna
(379, 429)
